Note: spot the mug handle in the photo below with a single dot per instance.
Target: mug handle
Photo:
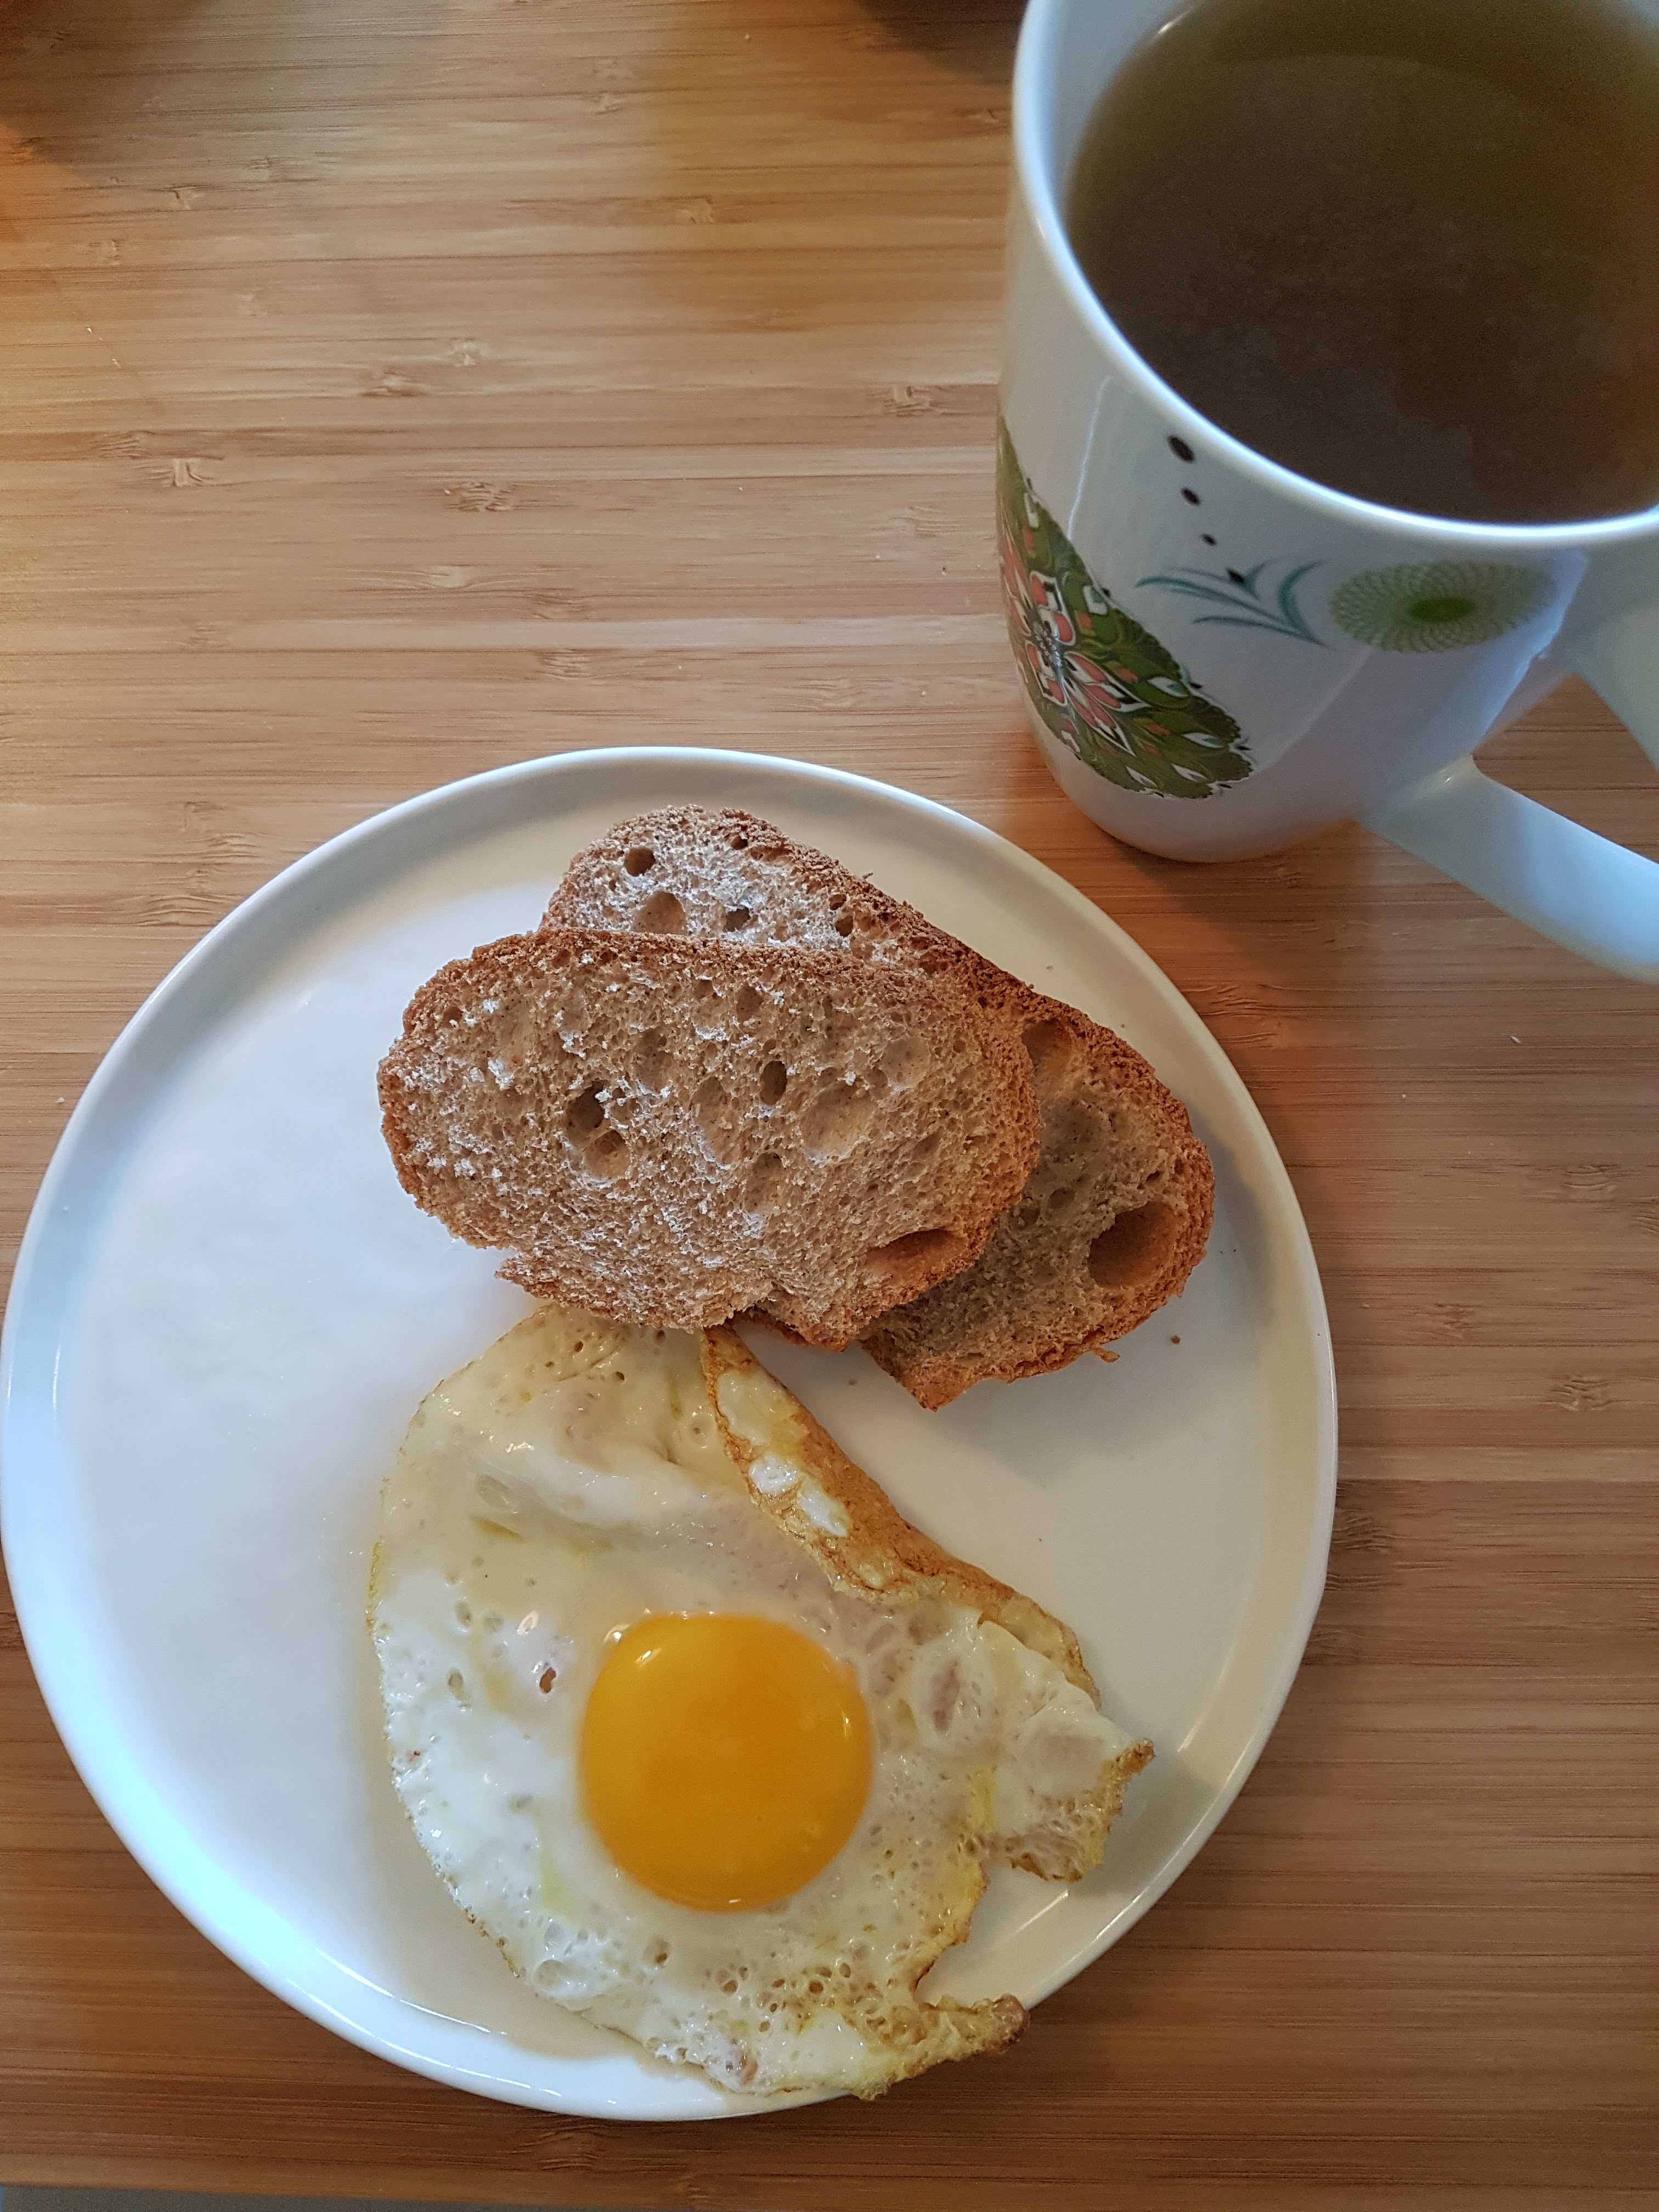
(1563, 881)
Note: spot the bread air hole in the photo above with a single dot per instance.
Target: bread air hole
(585, 1114)
(1136, 1249)
(604, 1150)
(738, 917)
(902, 1062)
(1052, 1048)
(748, 1003)
(638, 860)
(709, 1015)
(909, 1263)
(774, 1082)
(762, 1185)
(608, 1153)
(663, 914)
(837, 1118)
(650, 1059)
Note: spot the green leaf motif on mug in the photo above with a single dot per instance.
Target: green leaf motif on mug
(1104, 685)
(1437, 606)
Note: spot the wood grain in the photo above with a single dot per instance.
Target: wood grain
(394, 390)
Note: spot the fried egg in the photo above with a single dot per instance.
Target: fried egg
(713, 1745)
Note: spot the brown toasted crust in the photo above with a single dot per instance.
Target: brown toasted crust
(597, 1106)
(870, 1547)
(1118, 1150)
(1114, 1218)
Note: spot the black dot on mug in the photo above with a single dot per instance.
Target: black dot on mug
(1208, 540)
(1189, 496)
(1181, 449)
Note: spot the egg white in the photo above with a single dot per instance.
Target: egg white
(571, 1481)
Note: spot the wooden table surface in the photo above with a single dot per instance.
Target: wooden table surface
(392, 388)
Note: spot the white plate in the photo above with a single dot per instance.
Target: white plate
(225, 1310)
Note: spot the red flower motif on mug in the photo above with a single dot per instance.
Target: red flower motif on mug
(1045, 630)
(1094, 698)
(1050, 605)
(1045, 638)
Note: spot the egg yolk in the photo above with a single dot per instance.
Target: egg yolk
(725, 1758)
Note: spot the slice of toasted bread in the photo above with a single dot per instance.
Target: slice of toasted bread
(1118, 1207)
(1112, 1221)
(671, 1132)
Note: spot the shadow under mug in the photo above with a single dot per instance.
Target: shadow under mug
(1221, 657)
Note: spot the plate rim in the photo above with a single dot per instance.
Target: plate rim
(78, 1730)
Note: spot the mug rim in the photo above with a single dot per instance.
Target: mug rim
(1034, 178)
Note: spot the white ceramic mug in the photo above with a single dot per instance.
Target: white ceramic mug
(1219, 656)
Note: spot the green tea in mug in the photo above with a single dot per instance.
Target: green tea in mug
(1409, 248)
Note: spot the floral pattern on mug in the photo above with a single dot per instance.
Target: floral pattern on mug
(1102, 684)
(1436, 606)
